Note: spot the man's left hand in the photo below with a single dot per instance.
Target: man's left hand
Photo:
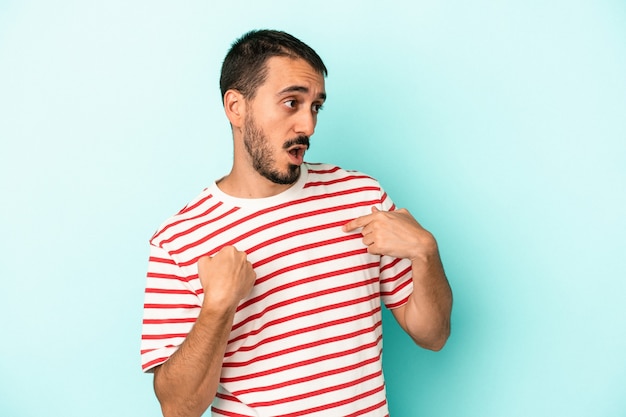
(394, 233)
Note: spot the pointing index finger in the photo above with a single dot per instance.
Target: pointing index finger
(361, 221)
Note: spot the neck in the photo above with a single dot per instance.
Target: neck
(250, 185)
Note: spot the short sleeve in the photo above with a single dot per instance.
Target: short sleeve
(396, 281)
(170, 309)
(396, 277)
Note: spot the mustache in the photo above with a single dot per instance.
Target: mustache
(300, 140)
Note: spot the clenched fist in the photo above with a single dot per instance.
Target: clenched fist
(226, 278)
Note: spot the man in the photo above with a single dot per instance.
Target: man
(264, 293)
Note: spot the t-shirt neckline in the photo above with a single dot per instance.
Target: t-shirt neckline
(287, 195)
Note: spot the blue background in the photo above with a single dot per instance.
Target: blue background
(500, 125)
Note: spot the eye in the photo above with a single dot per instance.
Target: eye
(317, 108)
(291, 104)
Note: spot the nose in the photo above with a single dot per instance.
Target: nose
(305, 123)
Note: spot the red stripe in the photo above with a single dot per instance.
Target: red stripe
(324, 171)
(162, 336)
(144, 351)
(166, 291)
(397, 289)
(316, 228)
(397, 276)
(185, 210)
(318, 392)
(336, 181)
(384, 198)
(153, 362)
(306, 247)
(161, 260)
(166, 276)
(169, 321)
(312, 377)
(227, 397)
(188, 306)
(293, 300)
(196, 227)
(304, 362)
(399, 303)
(311, 262)
(335, 404)
(303, 314)
(302, 347)
(304, 280)
(304, 330)
(369, 409)
(227, 413)
(391, 264)
(198, 204)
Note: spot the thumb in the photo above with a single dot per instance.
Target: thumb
(374, 209)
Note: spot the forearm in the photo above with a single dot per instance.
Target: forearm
(426, 316)
(187, 382)
(427, 313)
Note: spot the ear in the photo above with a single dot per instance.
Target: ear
(235, 108)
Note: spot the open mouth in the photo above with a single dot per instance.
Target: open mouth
(297, 153)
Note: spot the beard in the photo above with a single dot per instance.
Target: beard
(262, 155)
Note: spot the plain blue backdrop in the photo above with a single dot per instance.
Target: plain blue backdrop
(500, 125)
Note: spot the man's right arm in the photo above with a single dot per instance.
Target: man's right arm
(187, 382)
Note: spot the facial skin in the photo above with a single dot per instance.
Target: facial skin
(262, 155)
(271, 130)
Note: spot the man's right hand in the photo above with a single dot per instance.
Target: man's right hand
(226, 278)
(187, 382)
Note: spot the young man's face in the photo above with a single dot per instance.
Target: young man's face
(281, 117)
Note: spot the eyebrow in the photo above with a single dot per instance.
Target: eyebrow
(300, 89)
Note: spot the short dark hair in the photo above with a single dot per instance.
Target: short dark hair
(244, 68)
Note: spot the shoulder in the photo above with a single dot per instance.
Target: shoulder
(328, 179)
(320, 172)
(186, 217)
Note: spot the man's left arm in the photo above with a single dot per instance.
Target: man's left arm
(426, 315)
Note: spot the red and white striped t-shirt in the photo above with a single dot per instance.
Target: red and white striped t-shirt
(308, 339)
